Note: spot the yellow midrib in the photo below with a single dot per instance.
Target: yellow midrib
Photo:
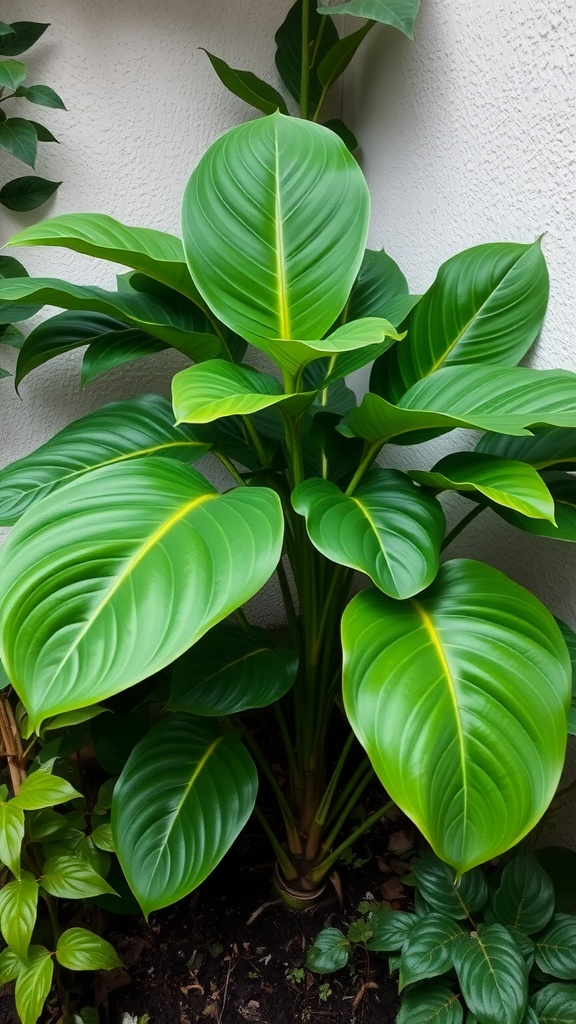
(437, 646)
(128, 570)
(283, 312)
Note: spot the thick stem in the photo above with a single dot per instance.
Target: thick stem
(12, 744)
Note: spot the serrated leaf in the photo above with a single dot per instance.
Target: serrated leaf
(18, 902)
(81, 950)
(186, 792)
(11, 835)
(289, 196)
(525, 898)
(436, 882)
(321, 38)
(330, 952)
(390, 929)
(12, 73)
(555, 949)
(24, 34)
(229, 671)
(427, 951)
(432, 1002)
(506, 482)
(41, 94)
(43, 790)
(388, 528)
(248, 86)
(72, 878)
(33, 984)
(400, 14)
(429, 689)
(18, 137)
(119, 432)
(492, 975)
(27, 193)
(555, 1004)
(152, 518)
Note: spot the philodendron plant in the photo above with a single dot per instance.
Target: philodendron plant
(124, 561)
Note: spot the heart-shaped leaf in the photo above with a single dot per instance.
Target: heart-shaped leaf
(288, 196)
(186, 792)
(515, 485)
(400, 14)
(492, 975)
(119, 432)
(436, 882)
(555, 1004)
(388, 528)
(23, 35)
(430, 689)
(33, 984)
(525, 899)
(82, 620)
(230, 670)
(18, 902)
(555, 949)
(427, 951)
(330, 952)
(432, 1002)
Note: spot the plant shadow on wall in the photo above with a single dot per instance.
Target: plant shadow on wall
(126, 573)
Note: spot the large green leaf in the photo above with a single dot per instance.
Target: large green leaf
(460, 699)
(555, 1004)
(248, 87)
(151, 252)
(437, 884)
(432, 1002)
(486, 306)
(400, 14)
(33, 984)
(186, 792)
(18, 137)
(562, 487)
(515, 485)
(215, 389)
(547, 447)
(230, 670)
(274, 223)
(322, 36)
(502, 400)
(174, 322)
(388, 528)
(18, 902)
(555, 949)
(525, 898)
(492, 975)
(118, 432)
(115, 575)
(427, 952)
(116, 349)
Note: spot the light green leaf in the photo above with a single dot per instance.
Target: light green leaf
(390, 929)
(388, 528)
(102, 838)
(211, 390)
(546, 448)
(151, 252)
(119, 432)
(436, 882)
(186, 792)
(432, 1002)
(427, 951)
(10, 966)
(515, 485)
(72, 878)
(562, 487)
(81, 950)
(400, 14)
(555, 1004)
(499, 399)
(486, 306)
(41, 94)
(18, 902)
(11, 835)
(229, 671)
(33, 984)
(27, 193)
(288, 196)
(24, 35)
(248, 87)
(12, 73)
(76, 625)
(43, 790)
(322, 36)
(492, 975)
(430, 689)
(525, 898)
(18, 137)
(330, 952)
(555, 949)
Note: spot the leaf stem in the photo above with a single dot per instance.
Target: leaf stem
(230, 467)
(288, 869)
(462, 525)
(368, 456)
(322, 869)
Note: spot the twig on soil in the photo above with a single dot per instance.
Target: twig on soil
(221, 1014)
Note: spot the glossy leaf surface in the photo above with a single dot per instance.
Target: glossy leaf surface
(460, 699)
(548, 447)
(388, 528)
(116, 349)
(400, 14)
(40, 789)
(18, 137)
(525, 898)
(186, 792)
(27, 193)
(33, 984)
(116, 433)
(555, 1004)
(515, 485)
(72, 878)
(12, 73)
(77, 571)
(44, 95)
(11, 836)
(287, 195)
(486, 306)
(436, 882)
(322, 36)
(330, 952)
(214, 389)
(230, 670)
(18, 902)
(427, 952)
(379, 281)
(81, 950)
(432, 1002)
(562, 487)
(492, 975)
(390, 929)
(555, 949)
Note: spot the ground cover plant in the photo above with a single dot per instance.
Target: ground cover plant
(126, 574)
